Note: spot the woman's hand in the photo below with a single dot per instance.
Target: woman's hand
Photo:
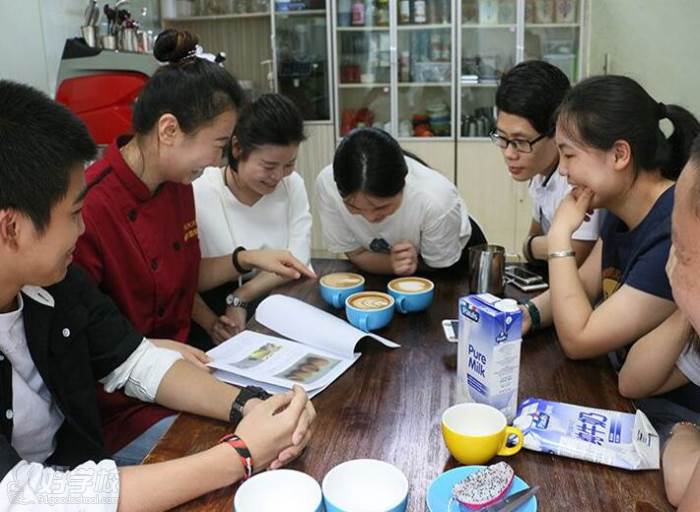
(404, 259)
(191, 354)
(300, 438)
(222, 329)
(573, 210)
(279, 426)
(281, 263)
(237, 316)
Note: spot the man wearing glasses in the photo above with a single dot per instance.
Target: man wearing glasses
(527, 100)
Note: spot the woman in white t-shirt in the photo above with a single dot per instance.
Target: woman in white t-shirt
(389, 212)
(256, 202)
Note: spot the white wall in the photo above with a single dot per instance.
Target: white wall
(33, 32)
(656, 42)
(22, 53)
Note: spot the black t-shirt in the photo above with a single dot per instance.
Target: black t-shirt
(638, 257)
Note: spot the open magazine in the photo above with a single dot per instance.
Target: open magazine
(320, 348)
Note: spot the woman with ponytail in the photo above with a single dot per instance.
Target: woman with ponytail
(140, 244)
(615, 155)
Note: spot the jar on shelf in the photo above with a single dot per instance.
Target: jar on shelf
(565, 11)
(470, 11)
(439, 116)
(506, 11)
(404, 12)
(529, 11)
(382, 13)
(420, 12)
(544, 11)
(358, 13)
(488, 12)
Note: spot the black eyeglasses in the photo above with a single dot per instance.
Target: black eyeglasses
(520, 145)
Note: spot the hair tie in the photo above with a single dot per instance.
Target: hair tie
(661, 111)
(198, 53)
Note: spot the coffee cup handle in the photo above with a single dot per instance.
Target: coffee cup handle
(336, 301)
(399, 304)
(363, 323)
(506, 450)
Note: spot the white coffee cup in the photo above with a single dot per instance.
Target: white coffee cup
(282, 489)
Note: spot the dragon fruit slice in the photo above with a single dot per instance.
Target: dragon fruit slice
(485, 486)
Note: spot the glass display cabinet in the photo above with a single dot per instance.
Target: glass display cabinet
(495, 35)
(394, 66)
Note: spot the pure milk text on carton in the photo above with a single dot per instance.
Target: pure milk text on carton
(488, 358)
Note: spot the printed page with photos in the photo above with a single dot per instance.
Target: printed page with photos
(323, 349)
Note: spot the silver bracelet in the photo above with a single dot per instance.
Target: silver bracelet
(560, 254)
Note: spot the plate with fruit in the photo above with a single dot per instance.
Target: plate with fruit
(470, 488)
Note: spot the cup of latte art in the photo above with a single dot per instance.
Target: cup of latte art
(369, 311)
(337, 287)
(411, 294)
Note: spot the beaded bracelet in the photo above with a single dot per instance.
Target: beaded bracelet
(685, 424)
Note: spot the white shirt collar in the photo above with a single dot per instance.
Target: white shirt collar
(38, 294)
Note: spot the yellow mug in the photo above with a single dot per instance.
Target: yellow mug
(475, 433)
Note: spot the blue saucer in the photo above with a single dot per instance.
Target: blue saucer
(440, 491)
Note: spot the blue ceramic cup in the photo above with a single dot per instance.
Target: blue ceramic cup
(365, 484)
(369, 311)
(337, 287)
(283, 489)
(411, 294)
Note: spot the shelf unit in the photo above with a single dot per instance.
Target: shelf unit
(217, 17)
(418, 63)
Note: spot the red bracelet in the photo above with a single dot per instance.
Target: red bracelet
(243, 452)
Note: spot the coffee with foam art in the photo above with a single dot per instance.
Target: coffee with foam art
(370, 300)
(410, 285)
(342, 280)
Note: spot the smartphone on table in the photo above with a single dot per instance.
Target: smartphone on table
(451, 330)
(524, 279)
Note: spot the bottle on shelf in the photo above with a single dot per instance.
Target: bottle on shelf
(420, 11)
(370, 10)
(444, 11)
(435, 47)
(446, 44)
(382, 13)
(405, 66)
(358, 13)
(344, 13)
(431, 11)
(404, 12)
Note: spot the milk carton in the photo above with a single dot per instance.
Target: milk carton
(488, 358)
(619, 439)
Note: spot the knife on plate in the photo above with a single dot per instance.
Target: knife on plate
(513, 501)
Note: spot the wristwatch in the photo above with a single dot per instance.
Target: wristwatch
(247, 393)
(234, 302)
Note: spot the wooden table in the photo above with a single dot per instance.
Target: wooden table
(388, 406)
